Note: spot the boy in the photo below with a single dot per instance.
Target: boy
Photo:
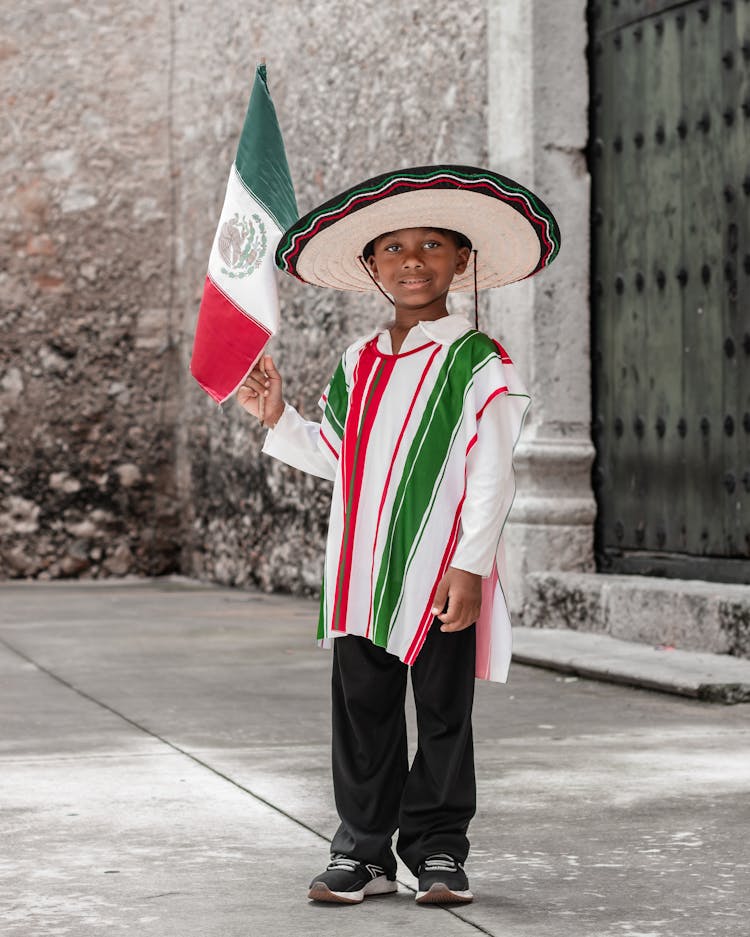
(419, 423)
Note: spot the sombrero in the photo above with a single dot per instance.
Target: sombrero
(511, 229)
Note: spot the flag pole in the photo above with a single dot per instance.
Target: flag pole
(262, 399)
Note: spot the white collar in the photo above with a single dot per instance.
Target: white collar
(445, 331)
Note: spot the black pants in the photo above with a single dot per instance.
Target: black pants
(376, 792)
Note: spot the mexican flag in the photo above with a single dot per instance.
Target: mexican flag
(239, 311)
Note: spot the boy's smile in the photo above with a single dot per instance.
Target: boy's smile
(416, 266)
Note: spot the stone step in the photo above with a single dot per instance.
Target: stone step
(718, 678)
(693, 615)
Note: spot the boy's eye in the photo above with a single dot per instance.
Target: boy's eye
(395, 248)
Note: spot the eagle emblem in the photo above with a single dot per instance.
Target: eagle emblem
(242, 245)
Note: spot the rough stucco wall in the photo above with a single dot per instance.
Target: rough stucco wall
(359, 89)
(118, 125)
(86, 369)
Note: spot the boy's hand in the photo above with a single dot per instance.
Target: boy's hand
(264, 380)
(463, 593)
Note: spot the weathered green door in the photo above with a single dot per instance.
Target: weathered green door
(670, 163)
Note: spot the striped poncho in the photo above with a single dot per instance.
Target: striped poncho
(419, 447)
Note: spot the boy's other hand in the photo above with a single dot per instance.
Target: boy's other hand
(463, 593)
(264, 380)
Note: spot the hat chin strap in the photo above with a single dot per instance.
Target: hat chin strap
(369, 274)
(476, 299)
(476, 292)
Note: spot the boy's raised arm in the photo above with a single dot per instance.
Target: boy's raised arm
(291, 439)
(296, 441)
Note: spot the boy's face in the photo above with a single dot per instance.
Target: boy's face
(416, 265)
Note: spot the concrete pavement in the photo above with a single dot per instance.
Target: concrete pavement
(164, 771)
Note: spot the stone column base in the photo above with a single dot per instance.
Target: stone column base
(551, 524)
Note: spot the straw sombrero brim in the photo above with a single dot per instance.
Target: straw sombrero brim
(512, 230)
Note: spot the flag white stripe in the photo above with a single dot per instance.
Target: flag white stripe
(252, 290)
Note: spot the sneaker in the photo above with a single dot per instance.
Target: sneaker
(348, 881)
(442, 880)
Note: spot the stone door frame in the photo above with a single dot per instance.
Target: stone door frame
(538, 97)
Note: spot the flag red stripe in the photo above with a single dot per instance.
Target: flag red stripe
(227, 343)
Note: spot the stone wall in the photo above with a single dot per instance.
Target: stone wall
(87, 362)
(119, 124)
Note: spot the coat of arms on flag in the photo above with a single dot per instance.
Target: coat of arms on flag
(239, 311)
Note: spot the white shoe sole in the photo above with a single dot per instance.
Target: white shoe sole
(439, 893)
(319, 891)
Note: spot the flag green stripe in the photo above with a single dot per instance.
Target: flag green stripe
(423, 468)
(261, 158)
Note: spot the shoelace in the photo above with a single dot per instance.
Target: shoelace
(441, 862)
(339, 861)
(343, 862)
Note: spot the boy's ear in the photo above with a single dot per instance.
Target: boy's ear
(373, 267)
(462, 260)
